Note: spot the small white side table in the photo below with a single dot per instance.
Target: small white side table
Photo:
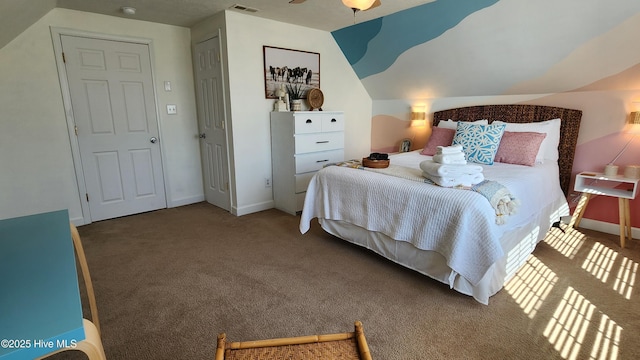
(625, 189)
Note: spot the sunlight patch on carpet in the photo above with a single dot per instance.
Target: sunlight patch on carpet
(574, 320)
(567, 243)
(567, 328)
(626, 278)
(607, 343)
(600, 261)
(531, 285)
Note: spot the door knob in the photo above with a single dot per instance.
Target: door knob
(153, 140)
(203, 136)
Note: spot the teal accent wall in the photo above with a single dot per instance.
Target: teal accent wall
(371, 47)
(455, 48)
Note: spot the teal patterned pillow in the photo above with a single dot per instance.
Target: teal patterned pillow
(479, 142)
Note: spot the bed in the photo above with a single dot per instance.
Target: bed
(451, 235)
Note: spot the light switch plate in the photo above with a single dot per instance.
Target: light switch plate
(167, 86)
(172, 109)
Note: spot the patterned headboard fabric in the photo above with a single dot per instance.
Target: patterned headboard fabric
(522, 113)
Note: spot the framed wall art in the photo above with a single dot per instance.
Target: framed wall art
(291, 69)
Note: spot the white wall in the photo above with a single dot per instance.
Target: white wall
(249, 110)
(36, 165)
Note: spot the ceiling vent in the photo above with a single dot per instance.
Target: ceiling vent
(243, 8)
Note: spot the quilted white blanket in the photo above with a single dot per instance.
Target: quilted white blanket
(458, 224)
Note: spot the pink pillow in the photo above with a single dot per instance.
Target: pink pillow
(519, 148)
(439, 137)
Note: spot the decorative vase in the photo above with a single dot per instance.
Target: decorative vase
(296, 105)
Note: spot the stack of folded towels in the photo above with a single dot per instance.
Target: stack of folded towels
(449, 168)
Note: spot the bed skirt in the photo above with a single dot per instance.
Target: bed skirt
(517, 244)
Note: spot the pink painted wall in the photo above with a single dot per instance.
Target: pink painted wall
(593, 156)
(387, 132)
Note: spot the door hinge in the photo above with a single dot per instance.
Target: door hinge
(87, 195)
(64, 59)
(75, 128)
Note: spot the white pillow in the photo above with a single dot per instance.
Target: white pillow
(450, 124)
(549, 147)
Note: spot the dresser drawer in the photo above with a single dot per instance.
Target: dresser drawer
(306, 143)
(307, 123)
(303, 180)
(315, 161)
(333, 122)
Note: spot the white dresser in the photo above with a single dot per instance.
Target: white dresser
(302, 142)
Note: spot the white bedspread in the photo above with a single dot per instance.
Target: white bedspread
(458, 224)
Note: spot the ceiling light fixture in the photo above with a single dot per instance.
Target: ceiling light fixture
(358, 5)
(128, 10)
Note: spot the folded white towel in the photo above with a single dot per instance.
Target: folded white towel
(450, 158)
(452, 181)
(453, 149)
(436, 169)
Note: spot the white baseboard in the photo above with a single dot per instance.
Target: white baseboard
(606, 227)
(244, 210)
(78, 221)
(185, 201)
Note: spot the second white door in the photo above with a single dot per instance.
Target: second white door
(211, 121)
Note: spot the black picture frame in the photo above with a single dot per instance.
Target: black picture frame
(405, 145)
(290, 67)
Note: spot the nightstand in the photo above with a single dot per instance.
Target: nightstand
(625, 189)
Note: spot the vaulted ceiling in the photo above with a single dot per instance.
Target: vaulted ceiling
(329, 15)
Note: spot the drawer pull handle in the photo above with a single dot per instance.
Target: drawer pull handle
(322, 142)
(334, 120)
(309, 121)
(319, 161)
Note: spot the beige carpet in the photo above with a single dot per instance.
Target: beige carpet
(167, 282)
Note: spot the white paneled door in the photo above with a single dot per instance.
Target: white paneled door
(211, 121)
(113, 101)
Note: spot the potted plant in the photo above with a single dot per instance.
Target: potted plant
(296, 93)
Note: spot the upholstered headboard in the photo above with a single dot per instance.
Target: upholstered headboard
(520, 113)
